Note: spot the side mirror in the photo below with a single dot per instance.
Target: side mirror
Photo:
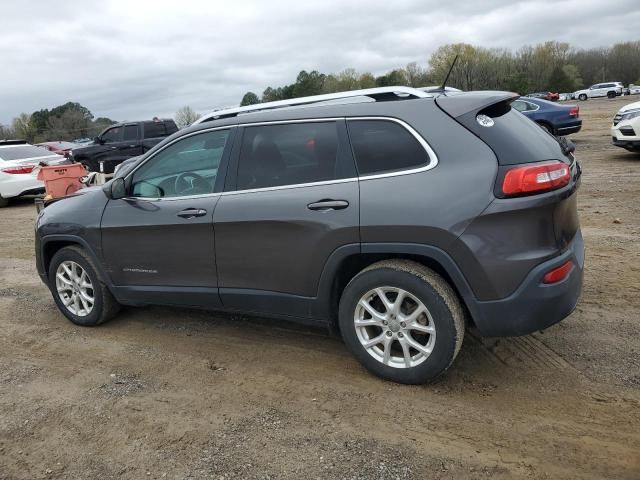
(98, 141)
(116, 189)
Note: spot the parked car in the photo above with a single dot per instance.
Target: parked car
(121, 141)
(563, 97)
(609, 90)
(61, 148)
(18, 159)
(625, 131)
(395, 221)
(634, 89)
(554, 118)
(550, 96)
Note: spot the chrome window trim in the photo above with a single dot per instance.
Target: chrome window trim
(433, 158)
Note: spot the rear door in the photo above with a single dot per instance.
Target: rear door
(292, 201)
(159, 240)
(131, 146)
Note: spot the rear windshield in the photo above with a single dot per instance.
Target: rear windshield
(20, 152)
(514, 138)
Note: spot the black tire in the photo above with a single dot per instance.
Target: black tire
(611, 94)
(4, 202)
(105, 306)
(433, 291)
(547, 127)
(582, 97)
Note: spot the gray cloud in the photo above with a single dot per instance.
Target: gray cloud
(135, 59)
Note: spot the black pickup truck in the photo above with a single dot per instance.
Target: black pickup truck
(121, 141)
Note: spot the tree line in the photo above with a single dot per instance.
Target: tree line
(64, 122)
(549, 66)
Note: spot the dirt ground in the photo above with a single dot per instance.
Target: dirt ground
(167, 393)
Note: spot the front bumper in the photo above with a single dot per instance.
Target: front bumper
(626, 134)
(534, 306)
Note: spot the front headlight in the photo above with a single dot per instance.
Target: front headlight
(630, 115)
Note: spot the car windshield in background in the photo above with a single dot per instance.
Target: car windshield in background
(23, 152)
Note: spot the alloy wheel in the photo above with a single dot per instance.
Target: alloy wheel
(74, 288)
(394, 327)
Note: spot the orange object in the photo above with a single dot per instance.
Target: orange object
(61, 180)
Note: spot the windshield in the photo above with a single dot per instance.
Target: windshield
(20, 152)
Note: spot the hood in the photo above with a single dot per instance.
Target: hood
(631, 106)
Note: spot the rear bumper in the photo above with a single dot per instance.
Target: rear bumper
(14, 185)
(569, 129)
(534, 306)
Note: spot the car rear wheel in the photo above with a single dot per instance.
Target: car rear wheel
(77, 289)
(611, 94)
(3, 202)
(582, 97)
(402, 321)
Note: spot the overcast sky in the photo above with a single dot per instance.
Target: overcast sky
(135, 59)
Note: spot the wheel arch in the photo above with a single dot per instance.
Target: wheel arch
(52, 244)
(348, 261)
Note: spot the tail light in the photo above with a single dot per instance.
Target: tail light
(559, 273)
(574, 112)
(536, 178)
(22, 169)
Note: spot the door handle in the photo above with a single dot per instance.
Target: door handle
(324, 205)
(132, 146)
(192, 212)
(113, 148)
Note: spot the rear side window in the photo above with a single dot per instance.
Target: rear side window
(384, 146)
(130, 132)
(155, 130)
(288, 154)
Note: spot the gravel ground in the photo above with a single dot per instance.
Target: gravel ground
(168, 393)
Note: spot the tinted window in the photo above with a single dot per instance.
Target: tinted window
(154, 130)
(112, 135)
(171, 127)
(273, 155)
(130, 132)
(384, 146)
(187, 167)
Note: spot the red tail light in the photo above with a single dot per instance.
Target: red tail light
(559, 273)
(18, 169)
(536, 178)
(574, 112)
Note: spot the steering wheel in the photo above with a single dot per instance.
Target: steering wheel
(194, 184)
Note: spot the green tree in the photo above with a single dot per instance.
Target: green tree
(249, 98)
(23, 128)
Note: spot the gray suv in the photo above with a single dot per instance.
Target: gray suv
(395, 216)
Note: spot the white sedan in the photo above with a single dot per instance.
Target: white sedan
(18, 173)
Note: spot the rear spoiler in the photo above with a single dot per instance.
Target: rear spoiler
(457, 104)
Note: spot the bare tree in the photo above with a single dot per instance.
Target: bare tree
(186, 116)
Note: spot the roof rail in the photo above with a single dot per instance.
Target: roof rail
(380, 94)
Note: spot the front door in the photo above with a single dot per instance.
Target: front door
(293, 202)
(158, 242)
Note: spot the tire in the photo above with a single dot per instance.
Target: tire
(4, 202)
(104, 306)
(547, 127)
(582, 97)
(444, 316)
(611, 94)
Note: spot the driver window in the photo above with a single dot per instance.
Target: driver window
(187, 167)
(112, 135)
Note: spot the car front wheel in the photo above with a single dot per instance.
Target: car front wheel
(77, 290)
(402, 321)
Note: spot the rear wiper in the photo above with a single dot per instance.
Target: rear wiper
(567, 146)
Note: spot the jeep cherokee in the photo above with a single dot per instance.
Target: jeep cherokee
(393, 215)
